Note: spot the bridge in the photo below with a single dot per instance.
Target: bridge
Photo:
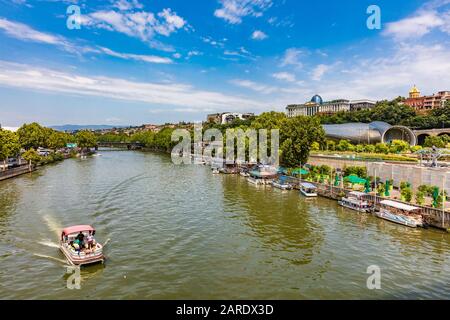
(423, 134)
(121, 145)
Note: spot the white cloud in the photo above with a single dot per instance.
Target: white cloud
(418, 25)
(194, 53)
(173, 94)
(139, 24)
(261, 88)
(319, 71)
(23, 32)
(285, 76)
(137, 57)
(258, 35)
(127, 5)
(233, 11)
(177, 55)
(292, 57)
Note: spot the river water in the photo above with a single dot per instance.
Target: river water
(180, 232)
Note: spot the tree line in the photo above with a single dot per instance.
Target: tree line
(30, 137)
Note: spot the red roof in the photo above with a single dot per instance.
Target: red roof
(77, 229)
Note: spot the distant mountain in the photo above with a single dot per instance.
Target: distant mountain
(75, 127)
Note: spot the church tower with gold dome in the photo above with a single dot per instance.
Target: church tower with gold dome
(414, 93)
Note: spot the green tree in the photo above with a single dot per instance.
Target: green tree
(57, 140)
(420, 198)
(381, 148)
(345, 145)
(31, 156)
(32, 136)
(302, 132)
(85, 139)
(399, 146)
(9, 145)
(437, 141)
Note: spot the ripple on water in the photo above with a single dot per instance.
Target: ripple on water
(181, 232)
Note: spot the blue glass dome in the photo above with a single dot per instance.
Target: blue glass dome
(317, 99)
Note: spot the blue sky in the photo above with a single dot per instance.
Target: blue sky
(157, 61)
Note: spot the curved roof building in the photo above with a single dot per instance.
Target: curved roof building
(368, 133)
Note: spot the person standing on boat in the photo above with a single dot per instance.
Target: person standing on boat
(90, 240)
(80, 238)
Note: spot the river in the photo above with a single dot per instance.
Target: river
(180, 232)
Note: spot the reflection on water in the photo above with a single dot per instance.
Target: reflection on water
(181, 232)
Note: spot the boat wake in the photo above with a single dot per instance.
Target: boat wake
(49, 244)
(53, 225)
(50, 258)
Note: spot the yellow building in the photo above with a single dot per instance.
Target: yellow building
(414, 92)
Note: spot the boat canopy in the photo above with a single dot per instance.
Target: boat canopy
(307, 185)
(398, 205)
(261, 174)
(77, 229)
(357, 194)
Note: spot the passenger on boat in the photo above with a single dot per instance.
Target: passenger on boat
(90, 241)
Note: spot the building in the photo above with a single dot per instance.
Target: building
(228, 117)
(318, 106)
(424, 104)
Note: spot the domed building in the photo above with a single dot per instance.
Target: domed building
(414, 92)
(317, 106)
(317, 99)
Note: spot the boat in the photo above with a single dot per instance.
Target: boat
(215, 170)
(400, 213)
(255, 181)
(308, 189)
(82, 256)
(355, 201)
(281, 185)
(244, 174)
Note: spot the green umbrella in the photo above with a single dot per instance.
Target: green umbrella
(368, 189)
(435, 197)
(386, 189)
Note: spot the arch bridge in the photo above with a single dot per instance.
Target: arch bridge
(423, 134)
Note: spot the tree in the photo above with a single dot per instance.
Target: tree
(57, 140)
(315, 146)
(381, 148)
(85, 139)
(9, 145)
(297, 136)
(437, 141)
(345, 145)
(399, 146)
(420, 198)
(32, 136)
(31, 156)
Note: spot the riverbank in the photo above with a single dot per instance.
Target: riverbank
(15, 172)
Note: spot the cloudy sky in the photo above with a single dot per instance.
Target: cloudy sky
(157, 61)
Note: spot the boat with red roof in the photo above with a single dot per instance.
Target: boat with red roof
(79, 246)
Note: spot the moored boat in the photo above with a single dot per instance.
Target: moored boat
(255, 181)
(78, 245)
(308, 189)
(280, 184)
(355, 201)
(400, 213)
